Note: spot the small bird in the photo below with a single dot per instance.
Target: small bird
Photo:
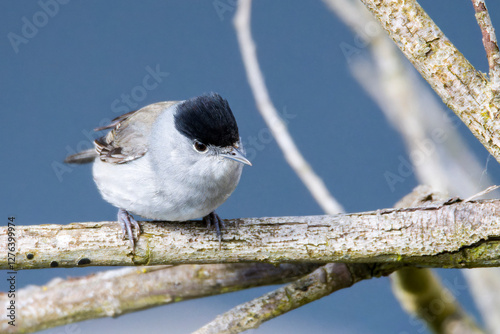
(170, 161)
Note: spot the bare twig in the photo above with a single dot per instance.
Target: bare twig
(117, 292)
(313, 182)
(322, 282)
(277, 126)
(484, 285)
(490, 42)
(482, 193)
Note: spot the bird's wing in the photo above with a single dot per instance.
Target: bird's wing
(128, 138)
(116, 120)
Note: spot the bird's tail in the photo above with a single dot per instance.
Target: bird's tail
(83, 157)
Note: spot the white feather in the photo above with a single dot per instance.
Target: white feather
(172, 181)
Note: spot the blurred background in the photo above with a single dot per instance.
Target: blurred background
(86, 62)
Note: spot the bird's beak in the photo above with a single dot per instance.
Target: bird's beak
(236, 155)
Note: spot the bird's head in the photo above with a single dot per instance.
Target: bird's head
(209, 124)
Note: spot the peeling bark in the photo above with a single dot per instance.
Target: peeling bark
(452, 235)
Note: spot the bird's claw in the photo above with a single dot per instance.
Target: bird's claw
(127, 221)
(213, 220)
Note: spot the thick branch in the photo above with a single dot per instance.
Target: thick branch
(462, 234)
(464, 90)
(419, 289)
(414, 111)
(66, 301)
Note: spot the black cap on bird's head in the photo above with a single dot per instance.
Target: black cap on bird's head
(208, 119)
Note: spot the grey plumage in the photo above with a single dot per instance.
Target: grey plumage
(159, 161)
(128, 138)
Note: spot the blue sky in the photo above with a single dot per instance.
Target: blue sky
(85, 62)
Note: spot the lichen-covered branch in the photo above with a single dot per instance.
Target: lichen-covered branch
(465, 90)
(490, 42)
(292, 154)
(419, 290)
(117, 292)
(318, 284)
(439, 155)
(455, 234)
(418, 119)
(332, 277)
(321, 282)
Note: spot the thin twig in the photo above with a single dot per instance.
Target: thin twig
(482, 193)
(484, 286)
(275, 123)
(313, 182)
(322, 282)
(489, 41)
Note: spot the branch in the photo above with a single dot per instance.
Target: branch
(464, 90)
(273, 120)
(313, 182)
(489, 42)
(419, 290)
(322, 282)
(332, 277)
(455, 234)
(449, 165)
(434, 169)
(484, 286)
(127, 290)
(388, 82)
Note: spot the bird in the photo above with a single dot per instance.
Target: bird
(168, 161)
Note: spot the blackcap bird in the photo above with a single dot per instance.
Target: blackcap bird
(170, 161)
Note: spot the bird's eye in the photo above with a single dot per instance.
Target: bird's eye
(200, 147)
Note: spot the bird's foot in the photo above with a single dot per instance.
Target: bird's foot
(213, 220)
(126, 221)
